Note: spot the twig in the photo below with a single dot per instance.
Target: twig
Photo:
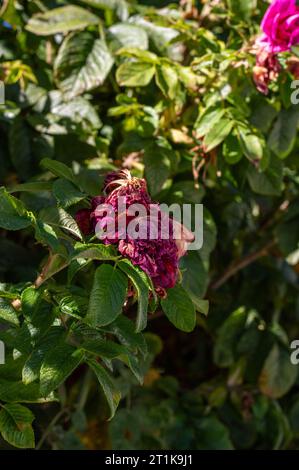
(156, 315)
(4, 6)
(196, 168)
(41, 278)
(49, 52)
(49, 428)
(243, 263)
(85, 389)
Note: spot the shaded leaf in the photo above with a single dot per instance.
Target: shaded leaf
(15, 425)
(140, 282)
(107, 296)
(66, 193)
(13, 215)
(283, 135)
(217, 133)
(58, 169)
(179, 309)
(106, 381)
(278, 374)
(57, 365)
(228, 335)
(268, 182)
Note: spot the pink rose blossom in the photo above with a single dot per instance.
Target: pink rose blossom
(280, 26)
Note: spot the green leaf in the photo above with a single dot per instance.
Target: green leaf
(283, 135)
(135, 73)
(120, 7)
(20, 146)
(167, 80)
(111, 393)
(179, 309)
(35, 186)
(15, 425)
(268, 182)
(207, 120)
(61, 20)
(287, 234)
(58, 169)
(107, 296)
(82, 64)
(263, 115)
(94, 251)
(38, 312)
(58, 217)
(195, 275)
(74, 305)
(158, 159)
(58, 364)
(124, 329)
(278, 374)
(140, 282)
(104, 348)
(217, 134)
(16, 391)
(8, 313)
(30, 300)
(66, 193)
(188, 77)
(184, 192)
(46, 235)
(13, 215)
(213, 434)
(127, 35)
(110, 350)
(75, 266)
(232, 151)
(141, 55)
(32, 366)
(252, 146)
(201, 305)
(243, 10)
(78, 113)
(228, 335)
(162, 38)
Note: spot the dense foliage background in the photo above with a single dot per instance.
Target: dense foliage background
(165, 90)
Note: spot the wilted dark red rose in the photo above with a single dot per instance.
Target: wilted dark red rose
(158, 256)
(84, 221)
(266, 70)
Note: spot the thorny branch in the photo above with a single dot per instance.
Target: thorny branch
(243, 263)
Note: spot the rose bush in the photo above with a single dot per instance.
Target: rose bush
(153, 101)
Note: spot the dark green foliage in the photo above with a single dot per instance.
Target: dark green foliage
(92, 86)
